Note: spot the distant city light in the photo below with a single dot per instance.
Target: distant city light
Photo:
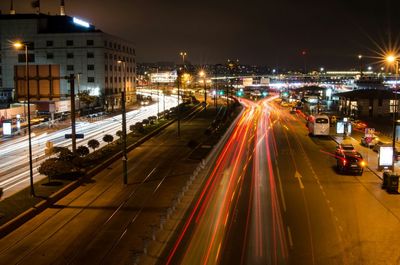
(80, 22)
(369, 68)
(321, 69)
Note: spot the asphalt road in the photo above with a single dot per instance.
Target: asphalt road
(14, 159)
(275, 197)
(105, 222)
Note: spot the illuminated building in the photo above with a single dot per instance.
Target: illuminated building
(65, 45)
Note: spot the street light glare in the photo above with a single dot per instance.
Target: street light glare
(18, 45)
(359, 56)
(202, 73)
(390, 58)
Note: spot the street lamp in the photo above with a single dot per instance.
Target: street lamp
(123, 108)
(202, 74)
(390, 59)
(23, 45)
(183, 54)
(360, 62)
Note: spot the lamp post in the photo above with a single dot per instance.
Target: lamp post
(21, 45)
(360, 62)
(393, 59)
(183, 54)
(202, 74)
(123, 108)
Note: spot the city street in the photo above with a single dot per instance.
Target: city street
(14, 173)
(275, 197)
(104, 221)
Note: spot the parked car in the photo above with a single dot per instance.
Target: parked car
(370, 144)
(359, 125)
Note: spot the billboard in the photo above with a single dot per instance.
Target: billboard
(247, 81)
(7, 128)
(44, 81)
(385, 156)
(164, 77)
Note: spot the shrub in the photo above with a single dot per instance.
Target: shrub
(108, 138)
(145, 122)
(93, 144)
(82, 151)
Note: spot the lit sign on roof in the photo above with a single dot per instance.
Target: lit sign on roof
(80, 22)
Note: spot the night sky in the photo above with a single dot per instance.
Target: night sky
(256, 32)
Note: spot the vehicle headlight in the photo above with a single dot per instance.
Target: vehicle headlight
(363, 164)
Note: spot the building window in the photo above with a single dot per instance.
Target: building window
(21, 58)
(106, 79)
(105, 44)
(70, 55)
(49, 55)
(70, 67)
(0, 70)
(90, 67)
(90, 55)
(49, 43)
(106, 67)
(115, 79)
(90, 79)
(380, 102)
(89, 42)
(105, 56)
(392, 105)
(70, 43)
(110, 67)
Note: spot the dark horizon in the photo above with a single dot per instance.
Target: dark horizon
(258, 33)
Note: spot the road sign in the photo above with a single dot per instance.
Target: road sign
(77, 136)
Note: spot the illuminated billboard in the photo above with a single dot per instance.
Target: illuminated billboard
(385, 156)
(7, 129)
(164, 77)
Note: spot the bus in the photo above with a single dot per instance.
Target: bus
(318, 125)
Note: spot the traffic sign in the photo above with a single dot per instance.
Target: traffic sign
(77, 136)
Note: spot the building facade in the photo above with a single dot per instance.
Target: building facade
(102, 64)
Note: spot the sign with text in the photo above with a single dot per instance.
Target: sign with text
(339, 127)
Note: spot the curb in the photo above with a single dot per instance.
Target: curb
(25, 216)
(333, 139)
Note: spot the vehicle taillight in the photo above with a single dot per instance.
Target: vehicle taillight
(344, 162)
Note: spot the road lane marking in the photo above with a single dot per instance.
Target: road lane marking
(298, 176)
(280, 187)
(290, 237)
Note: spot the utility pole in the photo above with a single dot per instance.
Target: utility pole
(71, 79)
(123, 108)
(178, 110)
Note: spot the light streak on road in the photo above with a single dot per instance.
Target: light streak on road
(206, 227)
(14, 174)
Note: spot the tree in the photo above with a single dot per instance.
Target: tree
(64, 153)
(93, 144)
(82, 151)
(85, 97)
(108, 138)
(119, 133)
(145, 122)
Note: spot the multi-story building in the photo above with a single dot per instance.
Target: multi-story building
(59, 46)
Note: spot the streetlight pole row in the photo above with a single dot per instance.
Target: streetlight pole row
(123, 108)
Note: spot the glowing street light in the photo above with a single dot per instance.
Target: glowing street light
(202, 74)
(20, 45)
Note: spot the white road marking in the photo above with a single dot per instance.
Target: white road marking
(298, 176)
